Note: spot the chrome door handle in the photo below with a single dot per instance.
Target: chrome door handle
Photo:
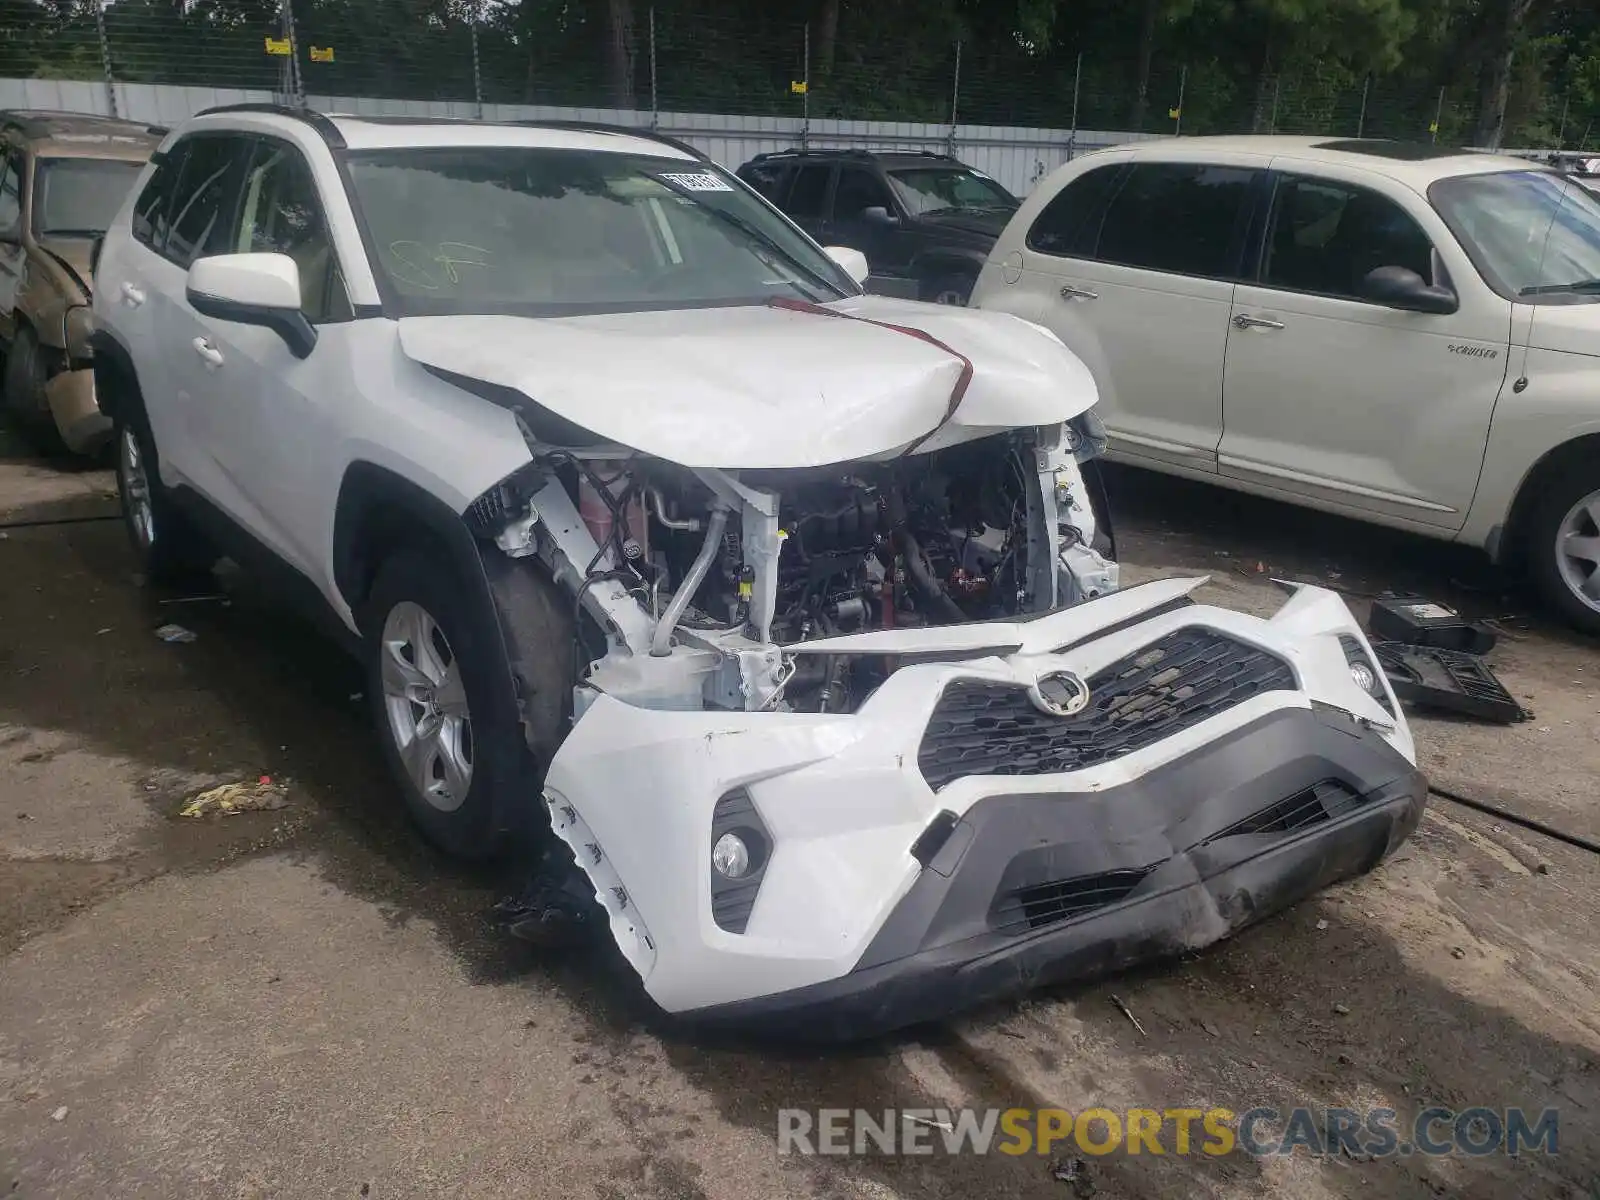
(207, 351)
(132, 296)
(1244, 322)
(1077, 293)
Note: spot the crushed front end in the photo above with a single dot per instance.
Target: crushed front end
(871, 743)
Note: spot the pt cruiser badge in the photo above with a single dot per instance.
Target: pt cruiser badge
(1059, 693)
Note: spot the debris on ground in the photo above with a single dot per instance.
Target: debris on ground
(230, 798)
(1128, 1012)
(1447, 679)
(1342, 1009)
(1414, 621)
(60, 1114)
(1321, 925)
(176, 634)
(209, 598)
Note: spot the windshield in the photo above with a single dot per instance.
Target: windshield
(1534, 234)
(549, 232)
(933, 189)
(79, 196)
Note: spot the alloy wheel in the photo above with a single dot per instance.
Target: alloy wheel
(426, 702)
(1578, 550)
(136, 489)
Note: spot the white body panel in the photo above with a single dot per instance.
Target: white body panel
(767, 387)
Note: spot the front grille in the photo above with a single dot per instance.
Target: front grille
(1302, 810)
(1049, 903)
(983, 728)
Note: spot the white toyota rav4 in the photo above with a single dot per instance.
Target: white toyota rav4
(778, 602)
(1400, 333)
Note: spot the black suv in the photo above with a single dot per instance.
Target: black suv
(918, 216)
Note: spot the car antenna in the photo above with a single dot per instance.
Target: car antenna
(1520, 384)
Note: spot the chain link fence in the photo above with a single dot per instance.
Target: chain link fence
(624, 56)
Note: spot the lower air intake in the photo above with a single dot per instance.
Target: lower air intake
(1044, 904)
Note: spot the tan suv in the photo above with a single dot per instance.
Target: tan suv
(62, 178)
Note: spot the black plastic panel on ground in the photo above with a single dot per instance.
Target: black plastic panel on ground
(983, 728)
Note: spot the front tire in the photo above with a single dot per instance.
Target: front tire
(25, 377)
(439, 683)
(1564, 545)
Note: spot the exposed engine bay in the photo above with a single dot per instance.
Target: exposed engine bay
(699, 576)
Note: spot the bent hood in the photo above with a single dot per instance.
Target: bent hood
(769, 387)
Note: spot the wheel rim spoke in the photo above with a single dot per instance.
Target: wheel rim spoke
(419, 754)
(453, 744)
(1577, 550)
(425, 699)
(451, 695)
(1584, 549)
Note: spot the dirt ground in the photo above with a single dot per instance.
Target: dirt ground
(307, 1002)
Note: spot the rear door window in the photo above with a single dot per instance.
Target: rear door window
(154, 205)
(809, 192)
(768, 179)
(1179, 218)
(857, 190)
(1070, 223)
(206, 198)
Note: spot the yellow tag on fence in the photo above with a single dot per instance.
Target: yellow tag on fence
(322, 54)
(277, 46)
(798, 87)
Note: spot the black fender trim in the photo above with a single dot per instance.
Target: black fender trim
(111, 358)
(378, 511)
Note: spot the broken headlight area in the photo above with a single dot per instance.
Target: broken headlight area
(692, 582)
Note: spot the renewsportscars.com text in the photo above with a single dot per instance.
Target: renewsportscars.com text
(1377, 1132)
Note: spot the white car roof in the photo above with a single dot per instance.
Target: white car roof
(382, 133)
(1415, 164)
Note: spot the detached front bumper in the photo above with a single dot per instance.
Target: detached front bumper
(949, 843)
(1031, 890)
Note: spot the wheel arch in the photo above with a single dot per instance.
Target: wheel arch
(116, 380)
(378, 513)
(1509, 543)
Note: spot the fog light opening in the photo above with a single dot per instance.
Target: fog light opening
(1364, 677)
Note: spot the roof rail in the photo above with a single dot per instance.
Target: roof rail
(603, 127)
(328, 131)
(796, 152)
(40, 122)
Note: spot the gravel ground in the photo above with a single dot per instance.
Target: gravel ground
(306, 1002)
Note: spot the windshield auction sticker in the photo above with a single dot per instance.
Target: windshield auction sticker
(697, 181)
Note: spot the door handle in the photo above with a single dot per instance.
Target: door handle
(1244, 322)
(207, 351)
(132, 296)
(1077, 293)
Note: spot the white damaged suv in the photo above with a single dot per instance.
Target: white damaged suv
(779, 603)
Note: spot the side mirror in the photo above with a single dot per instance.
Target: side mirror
(879, 215)
(253, 289)
(1402, 288)
(851, 261)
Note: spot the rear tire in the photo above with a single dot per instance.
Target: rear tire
(170, 551)
(465, 759)
(1563, 546)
